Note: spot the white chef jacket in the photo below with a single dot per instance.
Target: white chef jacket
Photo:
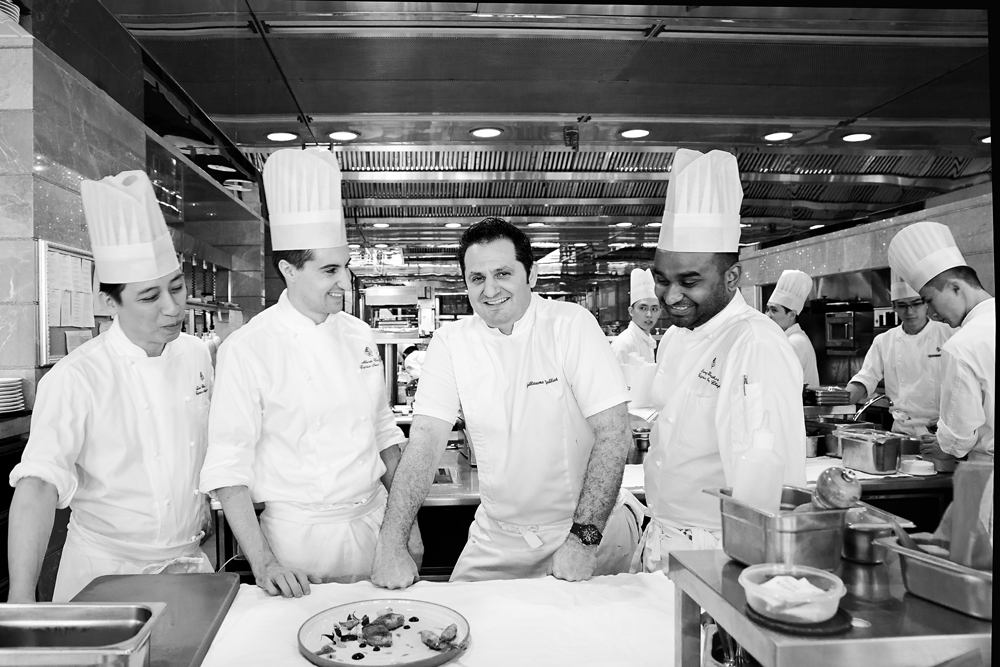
(968, 388)
(300, 411)
(912, 367)
(712, 387)
(634, 339)
(805, 353)
(122, 436)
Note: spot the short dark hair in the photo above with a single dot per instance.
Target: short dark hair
(964, 273)
(494, 229)
(725, 260)
(114, 290)
(296, 258)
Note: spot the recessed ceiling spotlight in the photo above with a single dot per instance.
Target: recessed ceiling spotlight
(536, 224)
(817, 227)
(343, 135)
(623, 224)
(635, 133)
(778, 136)
(486, 132)
(353, 246)
(986, 140)
(381, 245)
(655, 224)
(581, 245)
(221, 167)
(744, 224)
(380, 225)
(860, 136)
(282, 136)
(453, 225)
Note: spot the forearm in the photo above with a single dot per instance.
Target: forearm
(32, 512)
(242, 519)
(412, 480)
(603, 479)
(858, 392)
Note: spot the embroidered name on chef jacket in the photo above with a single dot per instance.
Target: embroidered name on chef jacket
(708, 376)
(532, 383)
(371, 360)
(201, 388)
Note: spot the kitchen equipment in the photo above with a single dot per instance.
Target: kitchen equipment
(407, 648)
(849, 330)
(812, 445)
(814, 607)
(110, 635)
(917, 467)
(865, 525)
(825, 427)
(640, 445)
(816, 395)
(812, 538)
(943, 582)
(869, 450)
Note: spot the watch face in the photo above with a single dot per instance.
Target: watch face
(588, 533)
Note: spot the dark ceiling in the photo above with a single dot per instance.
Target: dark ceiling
(414, 78)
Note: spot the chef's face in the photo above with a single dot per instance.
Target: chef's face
(499, 287)
(912, 312)
(645, 313)
(693, 287)
(783, 317)
(945, 304)
(151, 312)
(319, 288)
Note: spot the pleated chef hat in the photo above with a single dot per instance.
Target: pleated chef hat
(921, 251)
(900, 290)
(702, 212)
(642, 285)
(792, 290)
(129, 238)
(303, 200)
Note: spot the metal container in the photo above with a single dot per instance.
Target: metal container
(812, 446)
(865, 525)
(110, 635)
(869, 450)
(640, 446)
(944, 582)
(751, 536)
(826, 426)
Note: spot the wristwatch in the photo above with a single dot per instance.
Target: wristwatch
(587, 532)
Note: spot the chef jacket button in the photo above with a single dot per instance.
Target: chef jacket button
(145, 407)
(192, 443)
(359, 371)
(657, 464)
(195, 492)
(187, 399)
(364, 417)
(319, 422)
(670, 420)
(167, 502)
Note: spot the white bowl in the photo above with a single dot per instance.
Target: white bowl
(816, 608)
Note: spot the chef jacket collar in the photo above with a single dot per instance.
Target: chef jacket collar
(979, 310)
(722, 319)
(642, 334)
(293, 319)
(795, 328)
(124, 345)
(520, 327)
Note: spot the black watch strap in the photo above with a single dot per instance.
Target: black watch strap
(587, 532)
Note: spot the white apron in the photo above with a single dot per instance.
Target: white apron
(659, 539)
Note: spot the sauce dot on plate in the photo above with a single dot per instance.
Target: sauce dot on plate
(414, 619)
(406, 627)
(358, 656)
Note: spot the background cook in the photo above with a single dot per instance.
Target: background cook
(544, 404)
(119, 424)
(644, 312)
(908, 358)
(720, 366)
(300, 419)
(784, 307)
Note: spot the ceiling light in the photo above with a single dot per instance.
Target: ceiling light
(581, 245)
(381, 245)
(778, 136)
(623, 224)
(536, 224)
(486, 132)
(221, 167)
(744, 224)
(817, 227)
(655, 224)
(380, 225)
(635, 134)
(986, 140)
(453, 225)
(282, 136)
(353, 246)
(343, 135)
(860, 136)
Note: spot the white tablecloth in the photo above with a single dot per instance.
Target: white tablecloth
(626, 619)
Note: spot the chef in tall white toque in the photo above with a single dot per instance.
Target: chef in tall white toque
(118, 430)
(300, 419)
(720, 366)
(926, 256)
(909, 359)
(784, 307)
(644, 311)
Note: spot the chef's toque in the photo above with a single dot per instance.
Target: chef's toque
(702, 212)
(302, 188)
(129, 238)
(923, 250)
(899, 290)
(642, 285)
(792, 290)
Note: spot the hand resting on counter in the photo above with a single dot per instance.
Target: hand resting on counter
(574, 561)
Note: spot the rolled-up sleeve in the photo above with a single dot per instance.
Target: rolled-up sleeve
(387, 433)
(962, 413)
(60, 425)
(591, 367)
(234, 421)
(873, 369)
(437, 389)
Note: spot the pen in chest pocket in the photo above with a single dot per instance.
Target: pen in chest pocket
(744, 385)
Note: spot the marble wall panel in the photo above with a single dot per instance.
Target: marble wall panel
(18, 271)
(236, 232)
(250, 305)
(16, 204)
(16, 129)
(59, 215)
(64, 157)
(15, 86)
(248, 291)
(245, 257)
(18, 335)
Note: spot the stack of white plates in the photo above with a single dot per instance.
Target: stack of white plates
(11, 397)
(10, 9)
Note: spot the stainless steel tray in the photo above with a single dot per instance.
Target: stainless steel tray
(944, 582)
(865, 525)
(869, 450)
(80, 634)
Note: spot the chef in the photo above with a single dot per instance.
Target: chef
(643, 312)
(544, 403)
(784, 307)
(927, 258)
(119, 424)
(300, 420)
(721, 366)
(909, 359)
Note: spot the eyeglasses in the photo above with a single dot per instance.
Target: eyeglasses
(908, 306)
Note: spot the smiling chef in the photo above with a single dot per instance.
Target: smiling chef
(118, 428)
(545, 407)
(300, 419)
(784, 307)
(644, 312)
(722, 364)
